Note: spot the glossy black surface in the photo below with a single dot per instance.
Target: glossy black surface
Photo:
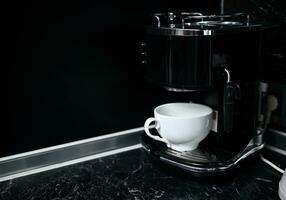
(275, 52)
(131, 175)
(179, 62)
(274, 59)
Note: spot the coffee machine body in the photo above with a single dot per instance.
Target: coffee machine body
(216, 61)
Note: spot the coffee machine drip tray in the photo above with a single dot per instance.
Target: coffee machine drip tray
(204, 160)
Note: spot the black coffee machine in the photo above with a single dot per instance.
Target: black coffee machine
(216, 60)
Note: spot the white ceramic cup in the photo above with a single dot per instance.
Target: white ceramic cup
(182, 126)
(282, 187)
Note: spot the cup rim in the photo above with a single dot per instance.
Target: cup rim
(183, 117)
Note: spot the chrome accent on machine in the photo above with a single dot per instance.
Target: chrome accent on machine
(197, 24)
(179, 32)
(171, 89)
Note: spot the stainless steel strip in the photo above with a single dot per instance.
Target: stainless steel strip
(277, 132)
(89, 148)
(196, 31)
(276, 150)
(276, 138)
(179, 31)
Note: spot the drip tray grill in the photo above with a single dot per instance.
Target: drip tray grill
(197, 155)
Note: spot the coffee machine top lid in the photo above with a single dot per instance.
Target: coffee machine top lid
(197, 24)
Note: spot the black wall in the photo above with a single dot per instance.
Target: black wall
(74, 67)
(74, 70)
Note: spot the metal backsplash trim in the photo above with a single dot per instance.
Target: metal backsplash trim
(67, 154)
(277, 132)
(276, 150)
(276, 142)
(276, 138)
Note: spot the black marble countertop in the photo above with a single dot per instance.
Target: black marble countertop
(132, 175)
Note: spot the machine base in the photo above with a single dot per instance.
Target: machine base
(204, 161)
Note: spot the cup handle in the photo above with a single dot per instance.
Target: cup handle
(157, 126)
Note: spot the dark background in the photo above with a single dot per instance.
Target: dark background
(74, 68)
